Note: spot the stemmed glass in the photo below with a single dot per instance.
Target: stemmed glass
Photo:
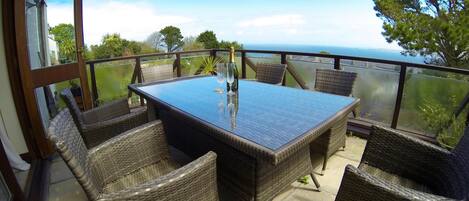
(221, 69)
(230, 77)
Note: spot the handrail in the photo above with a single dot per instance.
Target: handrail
(245, 61)
(145, 55)
(334, 56)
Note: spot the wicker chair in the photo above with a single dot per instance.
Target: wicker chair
(398, 167)
(270, 73)
(102, 123)
(339, 83)
(135, 165)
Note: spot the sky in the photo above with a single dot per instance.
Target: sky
(344, 23)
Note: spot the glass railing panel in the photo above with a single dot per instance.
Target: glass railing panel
(193, 64)
(305, 67)
(430, 99)
(159, 64)
(376, 86)
(225, 57)
(257, 58)
(112, 79)
(290, 81)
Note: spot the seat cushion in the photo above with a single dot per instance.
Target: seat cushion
(394, 179)
(142, 176)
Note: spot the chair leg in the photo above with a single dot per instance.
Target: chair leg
(324, 164)
(315, 180)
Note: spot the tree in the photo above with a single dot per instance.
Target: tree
(228, 44)
(155, 40)
(438, 30)
(112, 45)
(172, 38)
(131, 47)
(190, 43)
(64, 36)
(209, 39)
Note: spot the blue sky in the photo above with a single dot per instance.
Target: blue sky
(349, 23)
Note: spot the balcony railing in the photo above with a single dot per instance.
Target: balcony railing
(246, 59)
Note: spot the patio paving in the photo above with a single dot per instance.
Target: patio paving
(63, 186)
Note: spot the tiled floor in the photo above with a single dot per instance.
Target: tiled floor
(65, 187)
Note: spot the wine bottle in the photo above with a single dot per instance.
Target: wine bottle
(234, 86)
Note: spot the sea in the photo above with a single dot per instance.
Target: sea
(386, 54)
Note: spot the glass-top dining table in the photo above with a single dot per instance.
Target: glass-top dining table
(261, 135)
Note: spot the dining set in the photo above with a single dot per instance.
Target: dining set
(248, 144)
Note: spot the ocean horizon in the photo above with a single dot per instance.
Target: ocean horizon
(386, 54)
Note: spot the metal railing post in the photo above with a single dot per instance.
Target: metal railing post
(178, 64)
(337, 63)
(94, 88)
(213, 53)
(400, 93)
(283, 60)
(138, 70)
(243, 65)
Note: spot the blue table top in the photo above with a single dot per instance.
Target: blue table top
(268, 115)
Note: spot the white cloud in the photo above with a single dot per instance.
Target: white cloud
(133, 21)
(274, 20)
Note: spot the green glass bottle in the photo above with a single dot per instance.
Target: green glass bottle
(236, 73)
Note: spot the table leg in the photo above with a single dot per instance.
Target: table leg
(151, 110)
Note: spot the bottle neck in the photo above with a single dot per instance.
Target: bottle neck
(232, 55)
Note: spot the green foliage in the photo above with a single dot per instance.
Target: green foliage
(190, 43)
(436, 29)
(435, 116)
(228, 44)
(112, 45)
(64, 36)
(209, 39)
(450, 137)
(147, 49)
(303, 180)
(324, 52)
(172, 38)
(441, 121)
(209, 64)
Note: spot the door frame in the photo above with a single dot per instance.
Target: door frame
(36, 78)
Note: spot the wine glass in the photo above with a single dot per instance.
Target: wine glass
(230, 77)
(221, 69)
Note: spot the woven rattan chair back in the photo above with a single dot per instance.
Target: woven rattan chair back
(270, 73)
(72, 105)
(69, 144)
(461, 163)
(157, 73)
(335, 81)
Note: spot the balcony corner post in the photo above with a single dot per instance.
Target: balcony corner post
(400, 94)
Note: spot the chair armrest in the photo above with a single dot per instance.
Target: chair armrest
(403, 155)
(97, 133)
(107, 111)
(359, 185)
(129, 151)
(194, 181)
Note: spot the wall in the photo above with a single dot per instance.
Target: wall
(7, 107)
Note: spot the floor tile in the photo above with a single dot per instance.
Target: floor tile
(68, 190)
(59, 171)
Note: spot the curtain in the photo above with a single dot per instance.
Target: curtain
(13, 157)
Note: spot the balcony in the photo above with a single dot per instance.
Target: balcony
(391, 107)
